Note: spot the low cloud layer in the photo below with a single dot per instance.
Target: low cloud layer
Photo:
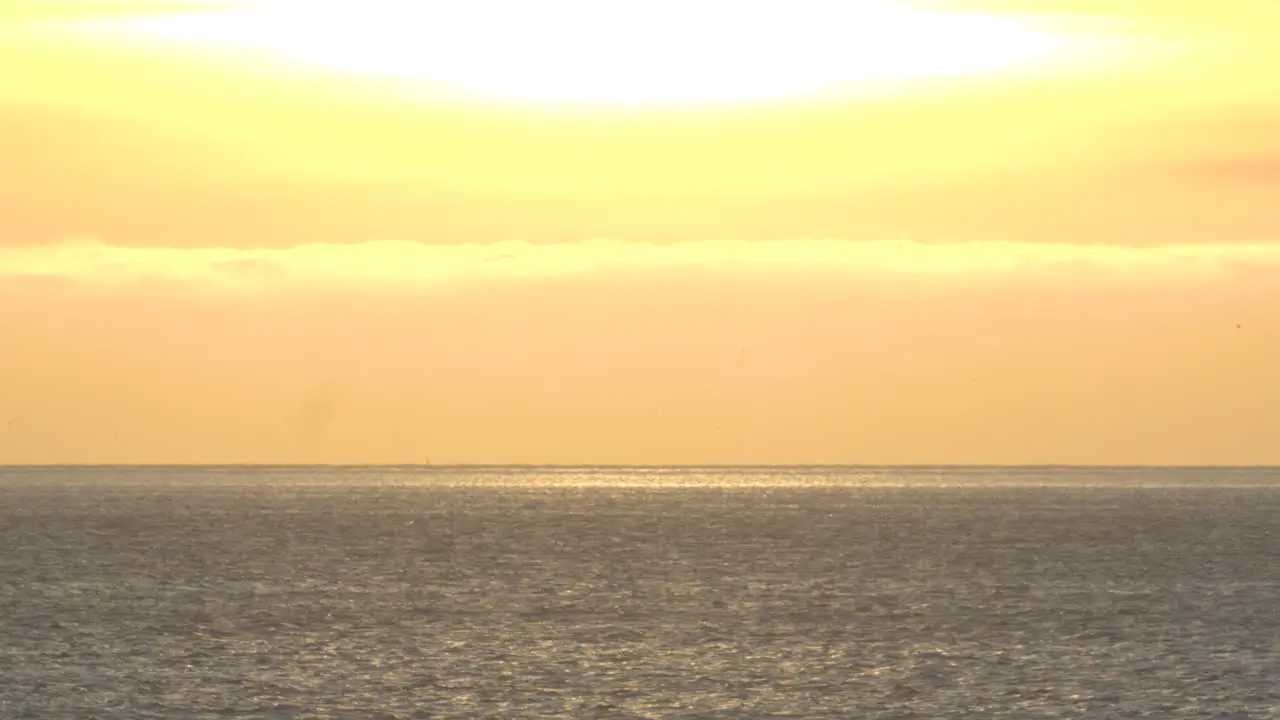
(398, 263)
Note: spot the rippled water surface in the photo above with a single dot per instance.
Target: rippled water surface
(697, 593)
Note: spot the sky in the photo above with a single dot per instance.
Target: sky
(629, 232)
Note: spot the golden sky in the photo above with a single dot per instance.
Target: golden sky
(560, 231)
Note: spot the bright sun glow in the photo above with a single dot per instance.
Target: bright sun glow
(624, 52)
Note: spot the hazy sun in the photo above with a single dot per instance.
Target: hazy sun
(622, 52)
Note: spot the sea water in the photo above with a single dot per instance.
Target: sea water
(376, 592)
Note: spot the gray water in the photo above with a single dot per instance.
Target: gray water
(694, 593)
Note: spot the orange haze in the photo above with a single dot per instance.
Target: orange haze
(1003, 232)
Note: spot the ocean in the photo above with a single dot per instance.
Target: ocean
(530, 592)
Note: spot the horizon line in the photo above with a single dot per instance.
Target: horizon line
(631, 466)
